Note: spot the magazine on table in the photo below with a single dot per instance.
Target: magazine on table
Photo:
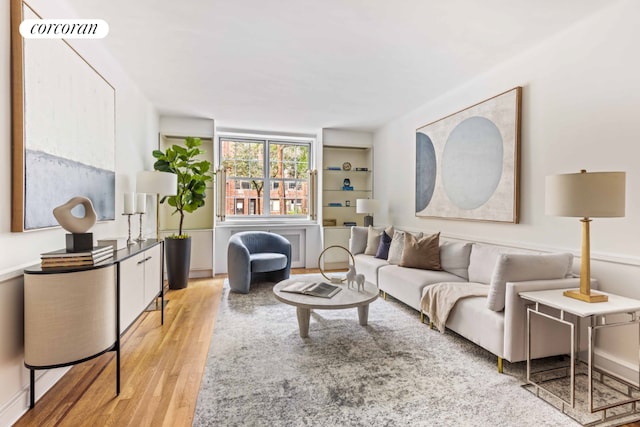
(316, 289)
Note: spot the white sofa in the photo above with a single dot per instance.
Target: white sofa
(500, 331)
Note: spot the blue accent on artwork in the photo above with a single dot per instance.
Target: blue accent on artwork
(426, 169)
(472, 162)
(51, 181)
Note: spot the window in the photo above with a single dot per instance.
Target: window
(239, 206)
(270, 177)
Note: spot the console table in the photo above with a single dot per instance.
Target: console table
(596, 316)
(75, 314)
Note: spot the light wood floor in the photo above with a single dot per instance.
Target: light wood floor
(161, 369)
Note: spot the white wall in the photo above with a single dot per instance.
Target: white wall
(581, 100)
(136, 135)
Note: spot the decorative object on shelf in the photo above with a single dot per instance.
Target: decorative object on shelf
(362, 169)
(72, 223)
(129, 203)
(334, 279)
(329, 222)
(467, 163)
(347, 203)
(349, 223)
(129, 239)
(63, 258)
(346, 185)
(586, 195)
(192, 176)
(117, 243)
(159, 184)
(367, 206)
(78, 239)
(140, 237)
(334, 168)
(141, 208)
(346, 166)
(334, 204)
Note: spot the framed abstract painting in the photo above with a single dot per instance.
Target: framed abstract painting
(467, 164)
(63, 137)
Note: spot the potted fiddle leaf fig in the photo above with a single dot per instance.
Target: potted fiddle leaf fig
(193, 175)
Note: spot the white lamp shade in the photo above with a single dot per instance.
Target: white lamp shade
(156, 182)
(588, 195)
(366, 205)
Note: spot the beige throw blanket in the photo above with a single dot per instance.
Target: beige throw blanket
(441, 297)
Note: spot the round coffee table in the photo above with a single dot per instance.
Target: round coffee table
(346, 298)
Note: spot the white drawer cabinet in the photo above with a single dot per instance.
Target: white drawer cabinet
(74, 314)
(140, 283)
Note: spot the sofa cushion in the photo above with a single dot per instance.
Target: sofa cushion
(524, 267)
(267, 261)
(421, 253)
(482, 262)
(383, 247)
(454, 258)
(397, 246)
(471, 319)
(406, 284)
(373, 239)
(369, 266)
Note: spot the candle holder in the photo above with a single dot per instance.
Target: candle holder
(129, 240)
(140, 236)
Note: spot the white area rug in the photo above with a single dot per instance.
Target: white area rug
(395, 371)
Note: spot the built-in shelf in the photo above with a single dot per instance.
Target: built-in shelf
(332, 183)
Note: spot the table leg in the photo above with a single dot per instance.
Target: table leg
(32, 388)
(304, 315)
(363, 314)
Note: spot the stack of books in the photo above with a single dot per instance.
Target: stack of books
(62, 258)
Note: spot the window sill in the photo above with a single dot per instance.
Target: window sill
(266, 223)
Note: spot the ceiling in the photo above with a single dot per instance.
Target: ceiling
(302, 65)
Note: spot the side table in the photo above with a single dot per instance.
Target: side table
(596, 316)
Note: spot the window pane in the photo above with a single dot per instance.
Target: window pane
(243, 158)
(286, 177)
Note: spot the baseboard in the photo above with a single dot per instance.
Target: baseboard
(17, 406)
(616, 366)
(198, 274)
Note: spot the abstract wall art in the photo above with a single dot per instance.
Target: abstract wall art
(63, 139)
(467, 164)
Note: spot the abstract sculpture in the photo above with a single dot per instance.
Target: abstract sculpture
(79, 240)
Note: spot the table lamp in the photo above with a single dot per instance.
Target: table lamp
(586, 195)
(158, 183)
(367, 206)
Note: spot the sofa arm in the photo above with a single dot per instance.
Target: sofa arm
(553, 340)
(358, 240)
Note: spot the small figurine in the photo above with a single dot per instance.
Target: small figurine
(360, 281)
(351, 276)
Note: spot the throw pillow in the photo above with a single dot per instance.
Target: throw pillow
(373, 239)
(397, 247)
(358, 240)
(421, 253)
(383, 247)
(523, 267)
(454, 258)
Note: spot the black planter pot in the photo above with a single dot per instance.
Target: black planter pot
(178, 261)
